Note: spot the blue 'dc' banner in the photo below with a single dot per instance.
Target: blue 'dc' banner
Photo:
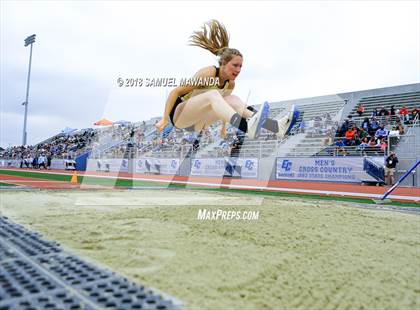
(219, 167)
(164, 166)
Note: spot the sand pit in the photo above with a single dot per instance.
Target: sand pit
(299, 253)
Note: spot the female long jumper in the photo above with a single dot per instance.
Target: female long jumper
(198, 105)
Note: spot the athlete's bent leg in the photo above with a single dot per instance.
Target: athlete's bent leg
(204, 106)
(240, 107)
(209, 105)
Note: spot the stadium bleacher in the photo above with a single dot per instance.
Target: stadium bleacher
(372, 110)
(314, 134)
(409, 100)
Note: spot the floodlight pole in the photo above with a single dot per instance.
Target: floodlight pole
(28, 41)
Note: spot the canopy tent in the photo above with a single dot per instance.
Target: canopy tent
(68, 130)
(103, 122)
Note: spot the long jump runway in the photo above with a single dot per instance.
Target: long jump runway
(42, 184)
(58, 179)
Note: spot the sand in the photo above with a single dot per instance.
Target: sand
(299, 254)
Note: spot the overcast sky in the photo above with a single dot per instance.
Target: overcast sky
(291, 50)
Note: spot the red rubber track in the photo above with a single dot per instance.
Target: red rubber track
(321, 188)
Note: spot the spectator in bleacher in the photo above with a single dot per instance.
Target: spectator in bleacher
(49, 159)
(375, 113)
(351, 136)
(404, 114)
(374, 126)
(361, 134)
(360, 109)
(397, 120)
(42, 161)
(366, 125)
(344, 127)
(394, 132)
(401, 129)
(20, 159)
(414, 114)
(327, 117)
(363, 145)
(382, 132)
(394, 136)
(390, 164)
(318, 123)
(373, 143)
(340, 148)
(351, 121)
(329, 138)
(383, 145)
(415, 110)
(392, 111)
(224, 148)
(35, 162)
(302, 127)
(27, 160)
(383, 112)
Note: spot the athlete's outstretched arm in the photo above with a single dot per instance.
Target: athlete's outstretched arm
(173, 95)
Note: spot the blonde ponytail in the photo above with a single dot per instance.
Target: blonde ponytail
(214, 37)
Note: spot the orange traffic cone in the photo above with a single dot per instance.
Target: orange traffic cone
(74, 178)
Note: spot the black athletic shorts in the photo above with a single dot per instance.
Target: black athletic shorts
(178, 101)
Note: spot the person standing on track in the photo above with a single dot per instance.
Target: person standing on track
(390, 163)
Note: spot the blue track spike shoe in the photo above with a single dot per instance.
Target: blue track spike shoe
(287, 122)
(255, 122)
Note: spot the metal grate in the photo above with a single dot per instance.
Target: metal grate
(122, 294)
(38, 274)
(24, 240)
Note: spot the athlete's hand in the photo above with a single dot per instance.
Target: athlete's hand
(161, 124)
(223, 131)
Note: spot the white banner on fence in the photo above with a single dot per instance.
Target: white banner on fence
(219, 167)
(108, 165)
(58, 164)
(332, 169)
(12, 163)
(209, 167)
(168, 166)
(249, 167)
